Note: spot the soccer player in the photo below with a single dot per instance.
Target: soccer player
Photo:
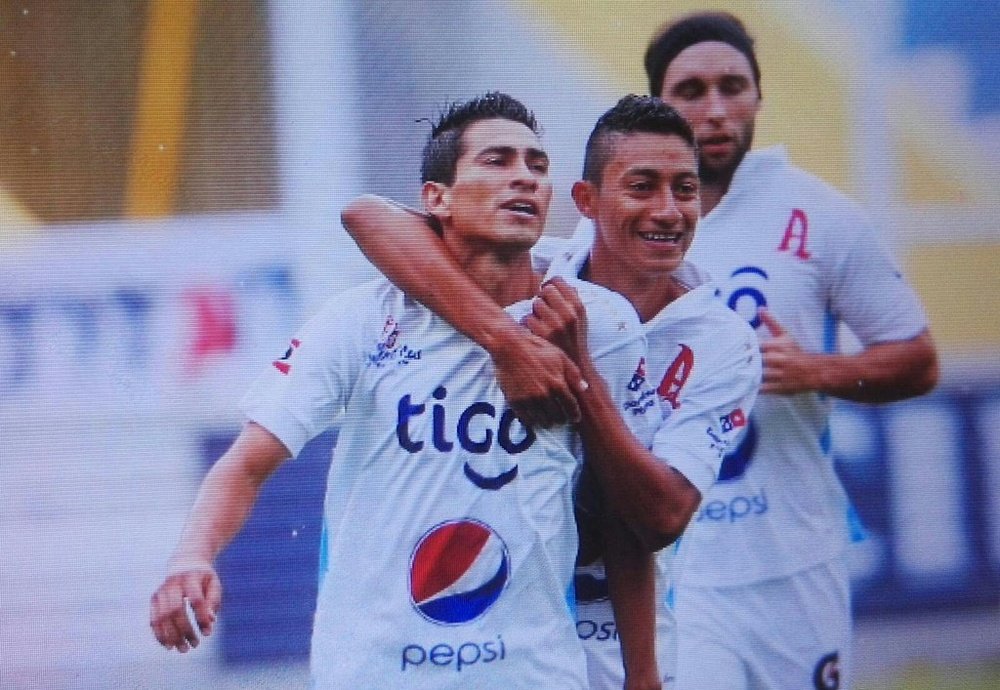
(640, 189)
(450, 538)
(763, 600)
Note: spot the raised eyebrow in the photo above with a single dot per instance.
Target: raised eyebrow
(652, 173)
(735, 78)
(505, 151)
(509, 151)
(688, 82)
(534, 154)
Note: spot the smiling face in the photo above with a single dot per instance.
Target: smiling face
(645, 208)
(712, 85)
(501, 191)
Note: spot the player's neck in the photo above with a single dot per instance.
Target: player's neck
(715, 183)
(712, 193)
(649, 293)
(507, 277)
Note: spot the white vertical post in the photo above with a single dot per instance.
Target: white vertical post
(315, 87)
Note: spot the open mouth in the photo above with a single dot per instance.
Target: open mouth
(522, 207)
(662, 237)
(715, 143)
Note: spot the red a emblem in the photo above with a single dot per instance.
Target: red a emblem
(676, 376)
(798, 232)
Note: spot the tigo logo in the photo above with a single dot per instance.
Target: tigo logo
(458, 570)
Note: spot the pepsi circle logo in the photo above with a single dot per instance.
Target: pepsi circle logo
(458, 570)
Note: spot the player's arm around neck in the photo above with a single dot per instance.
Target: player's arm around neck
(222, 506)
(537, 379)
(884, 372)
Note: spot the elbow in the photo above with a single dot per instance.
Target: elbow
(656, 538)
(667, 523)
(927, 372)
(929, 376)
(355, 212)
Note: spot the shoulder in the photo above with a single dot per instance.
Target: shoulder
(360, 306)
(600, 300)
(820, 198)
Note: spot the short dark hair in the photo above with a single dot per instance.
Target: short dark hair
(677, 36)
(630, 115)
(444, 144)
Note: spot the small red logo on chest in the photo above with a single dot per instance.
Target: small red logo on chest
(676, 376)
(796, 235)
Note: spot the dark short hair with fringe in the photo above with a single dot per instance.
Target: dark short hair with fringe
(444, 144)
(632, 114)
(685, 32)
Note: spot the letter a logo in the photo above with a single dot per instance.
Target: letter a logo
(676, 376)
(798, 232)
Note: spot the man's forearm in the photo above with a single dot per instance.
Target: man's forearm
(631, 576)
(882, 373)
(402, 244)
(645, 492)
(538, 380)
(227, 496)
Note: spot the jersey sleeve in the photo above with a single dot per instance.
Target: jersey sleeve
(868, 291)
(713, 409)
(298, 396)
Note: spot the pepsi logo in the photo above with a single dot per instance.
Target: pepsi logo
(458, 570)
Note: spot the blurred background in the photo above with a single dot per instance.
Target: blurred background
(171, 175)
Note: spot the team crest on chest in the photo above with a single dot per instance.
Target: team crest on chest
(388, 348)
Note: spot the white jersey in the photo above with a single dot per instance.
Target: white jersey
(449, 538)
(705, 364)
(783, 239)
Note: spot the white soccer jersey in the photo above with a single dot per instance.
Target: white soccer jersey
(783, 239)
(705, 364)
(449, 533)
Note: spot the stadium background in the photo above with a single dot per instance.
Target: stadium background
(171, 173)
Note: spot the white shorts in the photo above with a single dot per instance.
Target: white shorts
(791, 633)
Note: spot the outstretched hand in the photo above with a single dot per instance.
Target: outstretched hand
(788, 369)
(197, 583)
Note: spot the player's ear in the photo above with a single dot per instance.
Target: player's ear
(585, 196)
(437, 199)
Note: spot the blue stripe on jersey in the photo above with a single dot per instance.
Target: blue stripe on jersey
(855, 525)
(324, 552)
(571, 598)
(829, 332)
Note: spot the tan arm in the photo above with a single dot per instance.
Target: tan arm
(222, 506)
(632, 589)
(881, 373)
(538, 380)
